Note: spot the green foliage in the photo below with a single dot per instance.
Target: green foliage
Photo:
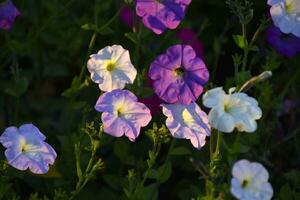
(44, 81)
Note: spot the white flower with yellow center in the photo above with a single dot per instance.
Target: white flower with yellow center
(286, 15)
(187, 122)
(111, 68)
(250, 181)
(233, 110)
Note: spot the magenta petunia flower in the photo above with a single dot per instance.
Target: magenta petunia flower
(8, 13)
(122, 113)
(153, 103)
(187, 122)
(25, 148)
(188, 36)
(285, 44)
(126, 16)
(178, 75)
(158, 15)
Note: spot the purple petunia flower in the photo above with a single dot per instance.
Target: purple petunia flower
(126, 16)
(188, 36)
(178, 75)
(8, 13)
(122, 114)
(285, 44)
(187, 122)
(25, 148)
(158, 15)
(153, 103)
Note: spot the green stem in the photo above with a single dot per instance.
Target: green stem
(246, 50)
(45, 24)
(91, 45)
(258, 31)
(17, 108)
(214, 160)
(211, 145)
(82, 181)
(217, 151)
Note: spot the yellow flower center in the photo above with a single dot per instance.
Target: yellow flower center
(244, 183)
(187, 117)
(24, 145)
(179, 71)
(110, 65)
(292, 6)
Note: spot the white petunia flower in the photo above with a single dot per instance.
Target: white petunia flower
(233, 110)
(286, 15)
(187, 122)
(111, 68)
(250, 181)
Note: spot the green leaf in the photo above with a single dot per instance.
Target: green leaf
(132, 36)
(178, 151)
(18, 88)
(162, 174)
(89, 27)
(240, 148)
(121, 149)
(253, 48)
(105, 31)
(150, 192)
(240, 41)
(286, 192)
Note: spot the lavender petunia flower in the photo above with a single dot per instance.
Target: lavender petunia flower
(178, 75)
(25, 148)
(122, 114)
(187, 122)
(285, 15)
(160, 15)
(286, 45)
(8, 13)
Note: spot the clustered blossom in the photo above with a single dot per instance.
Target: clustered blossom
(161, 15)
(233, 110)
(178, 75)
(25, 148)
(8, 13)
(285, 15)
(111, 68)
(187, 122)
(250, 181)
(122, 114)
(286, 45)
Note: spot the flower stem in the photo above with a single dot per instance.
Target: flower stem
(214, 161)
(246, 50)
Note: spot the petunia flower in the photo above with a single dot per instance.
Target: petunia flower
(187, 122)
(188, 36)
(111, 68)
(250, 181)
(8, 13)
(126, 16)
(178, 75)
(285, 15)
(122, 114)
(161, 15)
(286, 45)
(233, 110)
(25, 148)
(153, 103)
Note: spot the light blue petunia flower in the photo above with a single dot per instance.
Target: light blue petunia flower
(25, 148)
